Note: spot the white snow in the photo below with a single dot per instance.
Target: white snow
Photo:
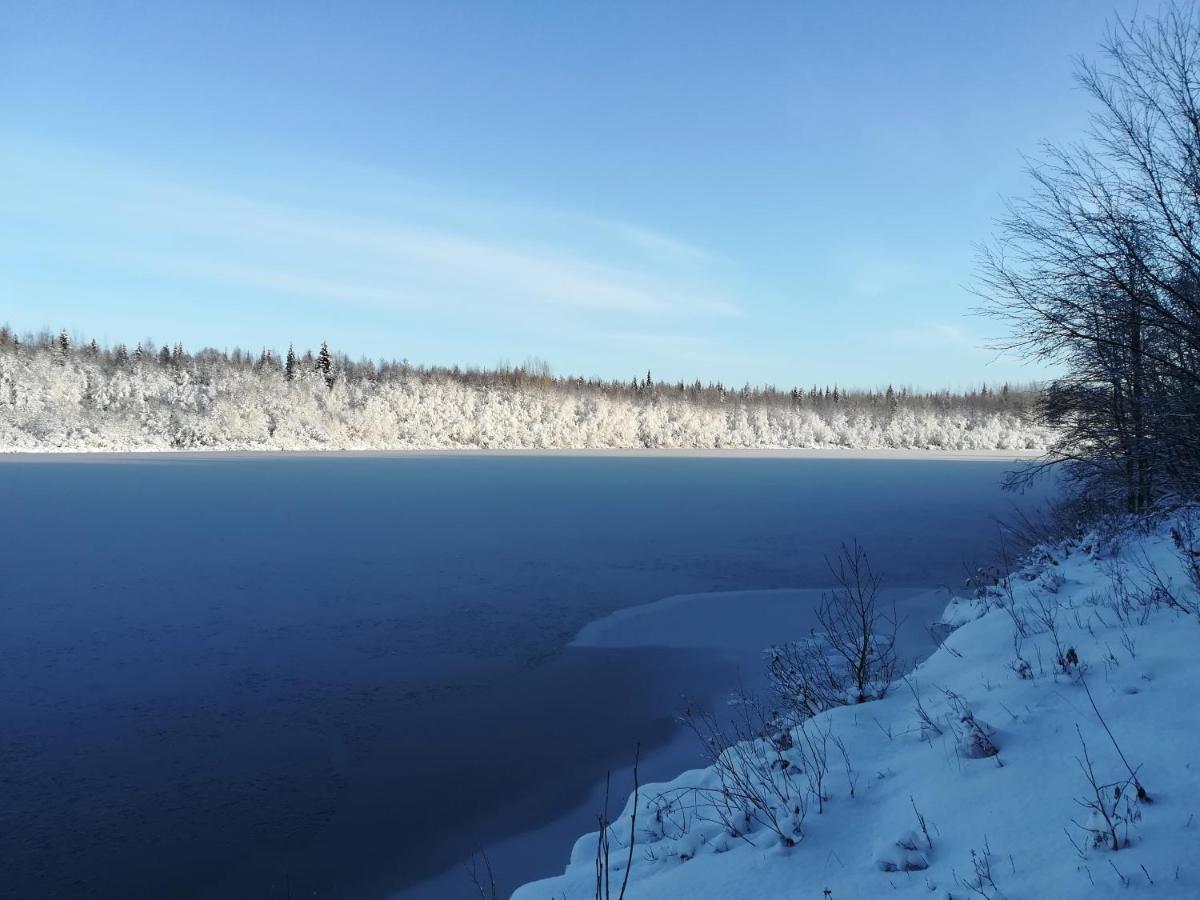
(1011, 823)
(78, 404)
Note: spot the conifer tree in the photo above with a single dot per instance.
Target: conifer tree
(289, 368)
(325, 364)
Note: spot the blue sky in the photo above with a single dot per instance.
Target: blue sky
(785, 193)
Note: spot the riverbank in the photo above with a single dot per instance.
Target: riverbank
(81, 401)
(974, 777)
(43, 455)
(680, 652)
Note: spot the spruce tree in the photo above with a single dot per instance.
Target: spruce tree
(325, 364)
(289, 368)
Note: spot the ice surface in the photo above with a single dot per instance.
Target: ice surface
(745, 620)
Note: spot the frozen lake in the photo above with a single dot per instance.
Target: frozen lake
(308, 676)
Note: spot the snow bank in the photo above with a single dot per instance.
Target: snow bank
(972, 779)
(81, 404)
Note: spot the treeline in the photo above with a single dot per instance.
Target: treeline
(1098, 271)
(333, 366)
(56, 393)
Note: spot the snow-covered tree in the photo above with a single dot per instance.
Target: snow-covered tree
(325, 364)
(216, 399)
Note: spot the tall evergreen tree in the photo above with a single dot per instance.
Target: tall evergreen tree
(289, 368)
(325, 364)
(60, 347)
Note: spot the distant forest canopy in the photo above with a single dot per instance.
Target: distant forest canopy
(61, 393)
(334, 365)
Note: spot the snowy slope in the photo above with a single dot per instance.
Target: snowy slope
(1020, 813)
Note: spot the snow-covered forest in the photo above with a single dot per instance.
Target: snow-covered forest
(60, 394)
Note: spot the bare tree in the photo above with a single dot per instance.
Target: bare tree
(853, 659)
(1098, 270)
(860, 629)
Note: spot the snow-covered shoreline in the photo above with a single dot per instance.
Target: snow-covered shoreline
(65, 455)
(1083, 636)
(78, 402)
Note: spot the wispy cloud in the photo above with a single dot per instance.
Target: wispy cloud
(875, 273)
(329, 252)
(934, 334)
(678, 343)
(659, 243)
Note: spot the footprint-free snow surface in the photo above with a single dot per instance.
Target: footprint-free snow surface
(232, 677)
